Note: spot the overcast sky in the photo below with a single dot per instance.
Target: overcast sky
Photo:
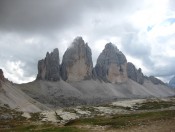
(144, 30)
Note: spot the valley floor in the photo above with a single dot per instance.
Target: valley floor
(155, 115)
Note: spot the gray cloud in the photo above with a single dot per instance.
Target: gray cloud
(43, 15)
(30, 28)
(135, 44)
(137, 47)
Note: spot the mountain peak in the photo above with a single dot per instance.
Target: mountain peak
(48, 68)
(111, 65)
(77, 61)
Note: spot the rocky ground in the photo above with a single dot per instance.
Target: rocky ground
(123, 115)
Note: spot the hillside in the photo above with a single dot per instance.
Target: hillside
(60, 94)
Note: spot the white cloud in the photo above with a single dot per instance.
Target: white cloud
(136, 27)
(14, 72)
(154, 12)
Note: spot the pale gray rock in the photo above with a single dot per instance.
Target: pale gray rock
(111, 65)
(49, 68)
(172, 82)
(134, 74)
(77, 61)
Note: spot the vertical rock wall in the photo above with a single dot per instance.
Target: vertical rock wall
(111, 65)
(77, 61)
(49, 68)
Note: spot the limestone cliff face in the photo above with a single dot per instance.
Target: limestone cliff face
(49, 68)
(2, 79)
(134, 74)
(111, 65)
(77, 61)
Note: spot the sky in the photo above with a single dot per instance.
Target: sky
(143, 30)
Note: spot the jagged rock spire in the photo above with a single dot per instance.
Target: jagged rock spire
(49, 68)
(134, 74)
(111, 65)
(77, 61)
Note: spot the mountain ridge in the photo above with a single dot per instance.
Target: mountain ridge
(77, 82)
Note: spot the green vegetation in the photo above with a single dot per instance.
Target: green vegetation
(125, 120)
(154, 105)
(43, 128)
(36, 116)
(10, 118)
(5, 110)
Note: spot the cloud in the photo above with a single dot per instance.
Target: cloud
(154, 48)
(28, 29)
(38, 16)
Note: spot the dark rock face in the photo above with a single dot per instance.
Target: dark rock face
(156, 81)
(49, 68)
(134, 74)
(172, 82)
(77, 61)
(111, 65)
(1, 77)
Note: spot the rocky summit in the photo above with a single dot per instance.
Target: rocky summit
(134, 74)
(111, 65)
(49, 68)
(77, 61)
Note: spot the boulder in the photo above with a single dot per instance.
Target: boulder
(134, 74)
(49, 68)
(77, 61)
(111, 65)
